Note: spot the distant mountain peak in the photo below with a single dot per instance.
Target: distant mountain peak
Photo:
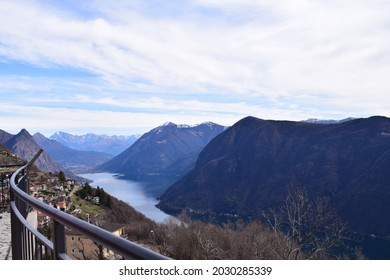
(38, 134)
(169, 124)
(209, 124)
(322, 121)
(112, 145)
(22, 136)
(24, 132)
(167, 150)
(75, 160)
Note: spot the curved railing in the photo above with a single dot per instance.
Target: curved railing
(28, 243)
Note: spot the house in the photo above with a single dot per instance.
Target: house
(80, 247)
(58, 188)
(61, 205)
(33, 189)
(42, 219)
(96, 200)
(69, 183)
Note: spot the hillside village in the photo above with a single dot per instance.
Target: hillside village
(80, 200)
(50, 190)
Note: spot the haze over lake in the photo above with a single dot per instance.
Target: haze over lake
(129, 191)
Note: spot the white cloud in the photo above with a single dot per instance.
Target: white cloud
(275, 58)
(100, 121)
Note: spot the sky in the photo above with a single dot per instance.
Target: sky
(125, 67)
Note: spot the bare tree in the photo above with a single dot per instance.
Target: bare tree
(304, 229)
(90, 250)
(208, 247)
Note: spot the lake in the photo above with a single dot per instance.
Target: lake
(132, 192)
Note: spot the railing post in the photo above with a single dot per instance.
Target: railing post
(16, 232)
(59, 240)
(22, 206)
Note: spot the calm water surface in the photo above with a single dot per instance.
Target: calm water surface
(129, 191)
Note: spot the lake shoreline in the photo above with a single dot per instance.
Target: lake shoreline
(132, 192)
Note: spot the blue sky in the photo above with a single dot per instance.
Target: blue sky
(123, 67)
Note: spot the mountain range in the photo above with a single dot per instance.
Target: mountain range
(74, 160)
(244, 169)
(112, 145)
(25, 147)
(248, 167)
(166, 152)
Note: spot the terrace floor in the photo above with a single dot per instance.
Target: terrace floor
(5, 236)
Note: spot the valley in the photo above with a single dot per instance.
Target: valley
(236, 174)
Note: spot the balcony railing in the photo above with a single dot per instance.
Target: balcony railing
(28, 243)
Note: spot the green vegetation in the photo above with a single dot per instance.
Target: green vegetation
(87, 192)
(104, 198)
(61, 177)
(86, 207)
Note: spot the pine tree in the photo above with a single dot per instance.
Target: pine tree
(61, 177)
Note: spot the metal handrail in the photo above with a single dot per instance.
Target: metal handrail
(127, 249)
